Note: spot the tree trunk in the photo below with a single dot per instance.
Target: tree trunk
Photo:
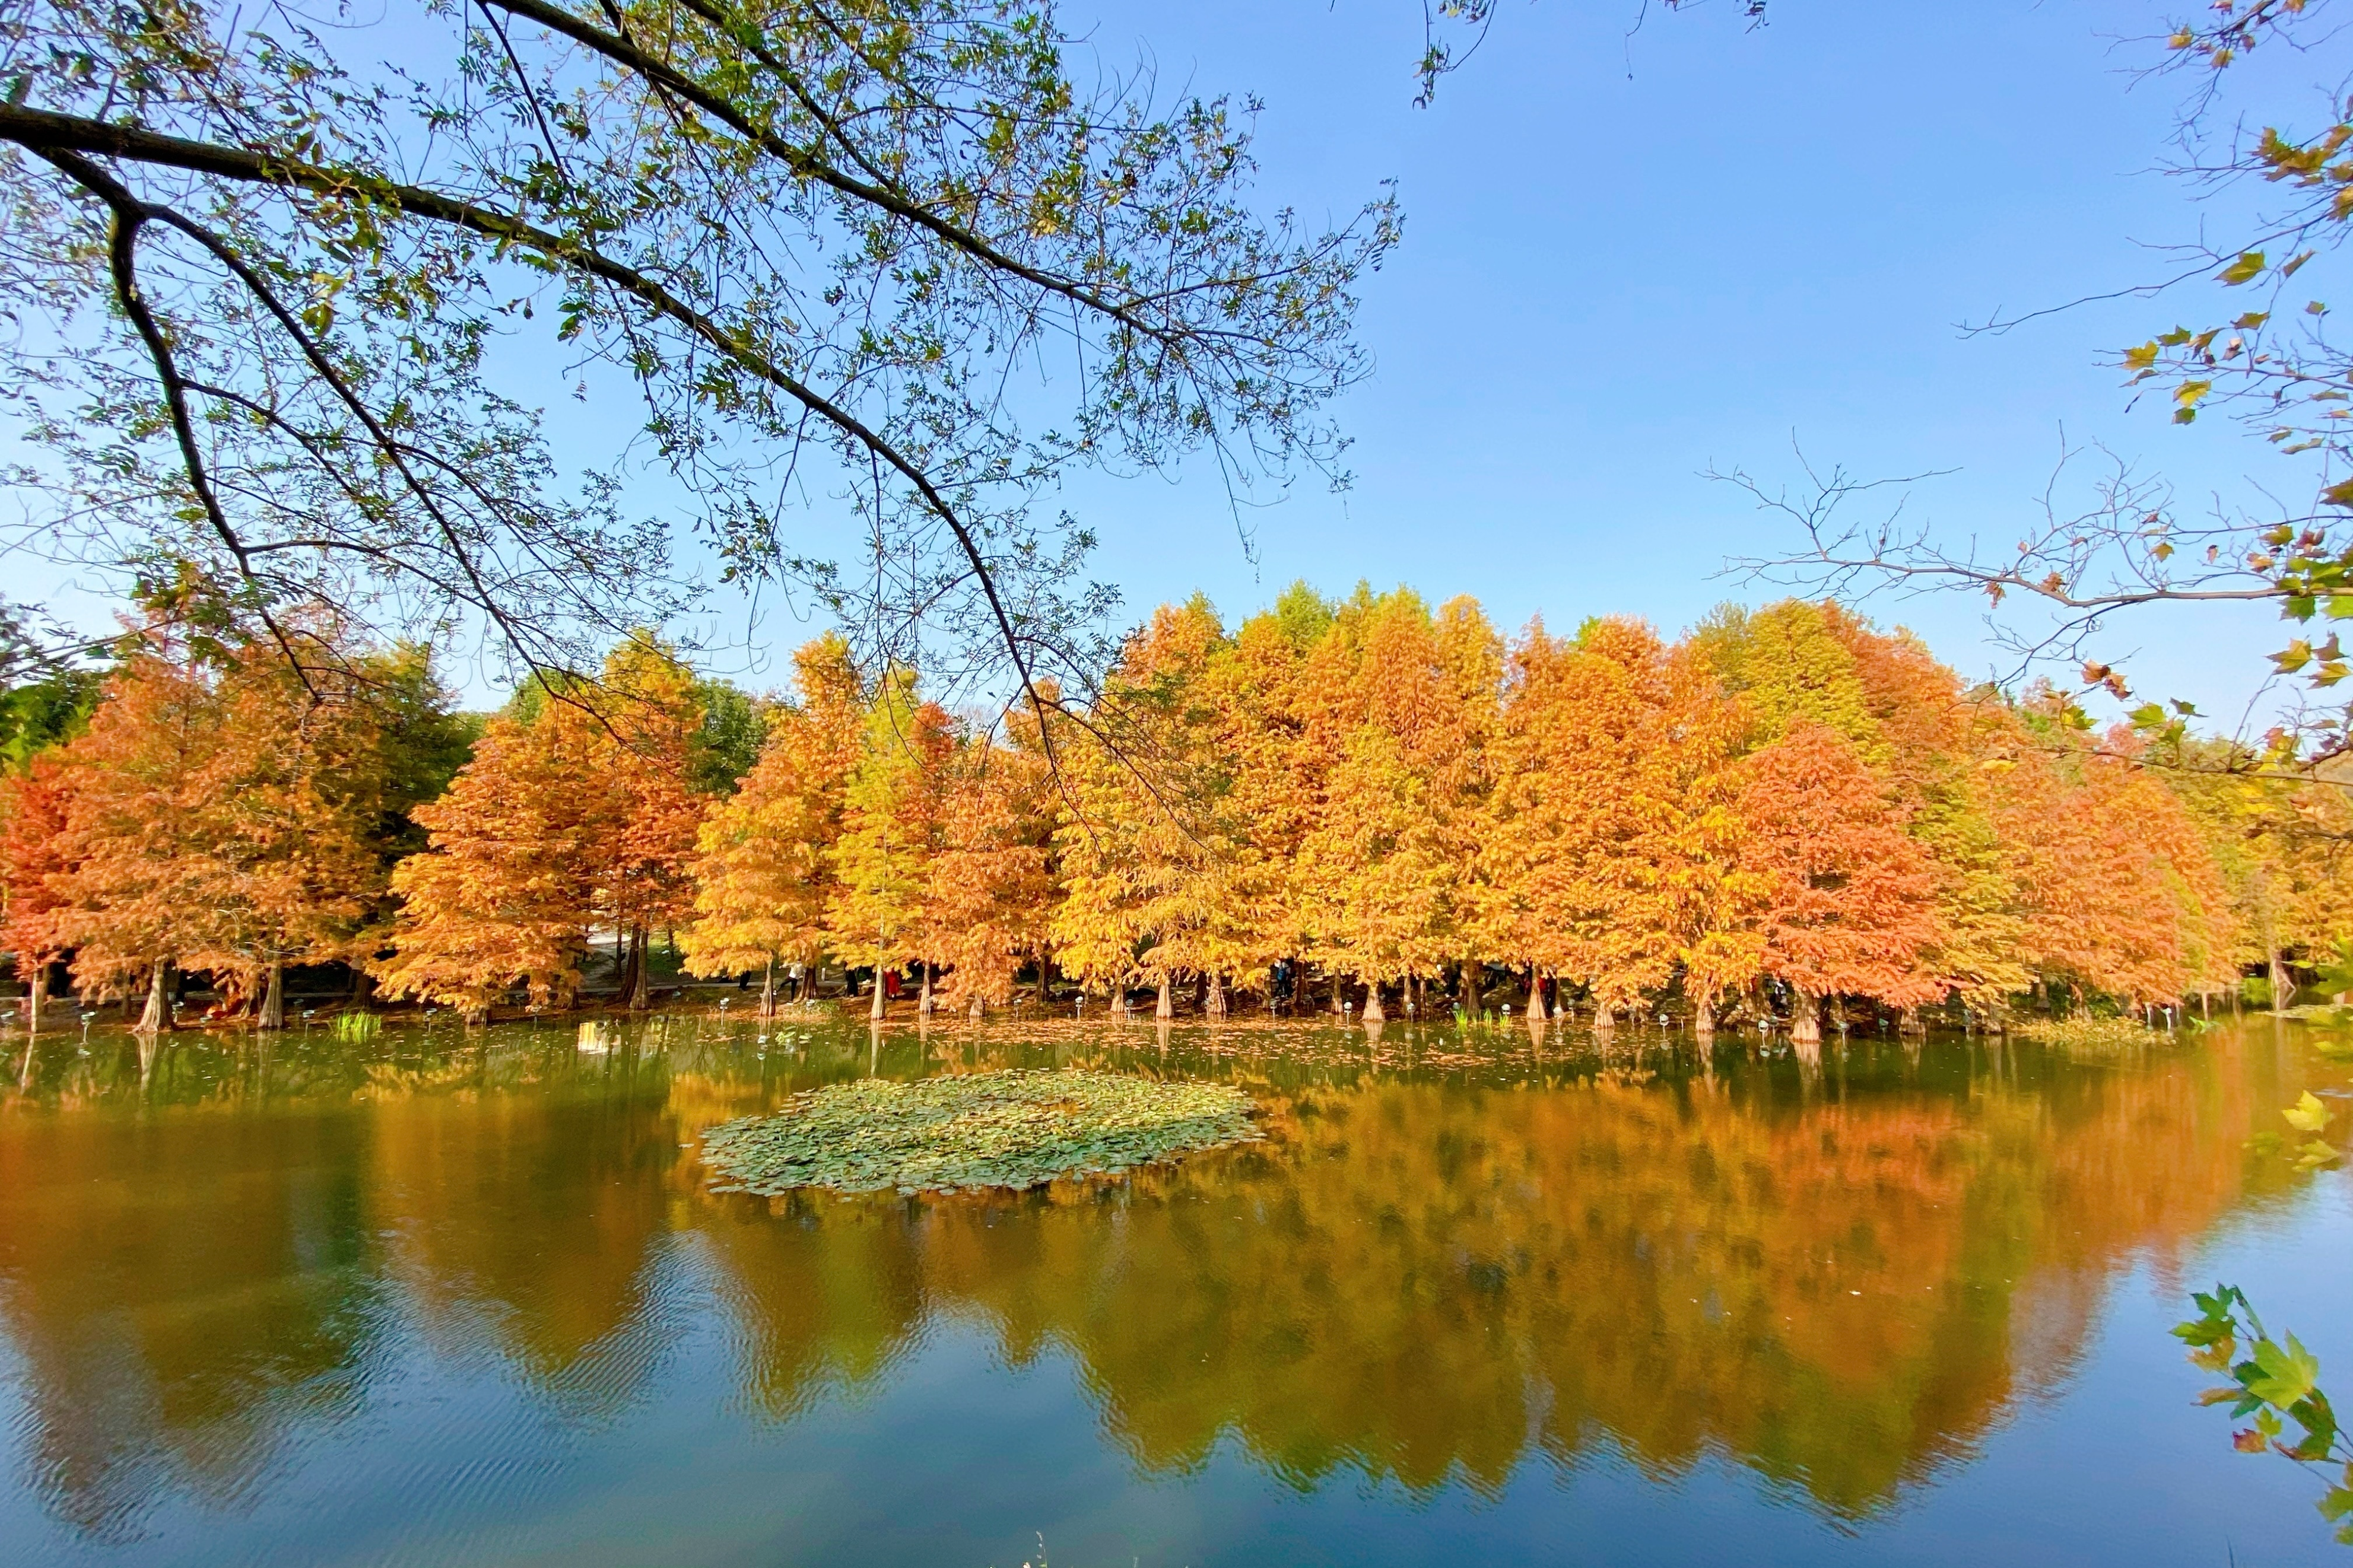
(1806, 1021)
(1413, 996)
(1536, 993)
(1167, 1008)
(926, 1006)
(1339, 994)
(2270, 930)
(158, 1016)
(476, 1014)
(633, 990)
(273, 1000)
(1916, 1023)
(1217, 1002)
(1373, 1014)
(1605, 1017)
(874, 1008)
(1704, 1020)
(768, 992)
(34, 994)
(1472, 1001)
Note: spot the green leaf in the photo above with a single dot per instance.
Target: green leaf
(2320, 1424)
(2246, 270)
(2283, 1373)
(2308, 1114)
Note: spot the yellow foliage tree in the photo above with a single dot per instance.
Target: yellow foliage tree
(763, 870)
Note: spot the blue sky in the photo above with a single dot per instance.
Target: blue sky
(1612, 280)
(1630, 258)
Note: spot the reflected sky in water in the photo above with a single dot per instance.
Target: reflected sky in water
(462, 1299)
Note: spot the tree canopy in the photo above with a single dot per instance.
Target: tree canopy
(268, 267)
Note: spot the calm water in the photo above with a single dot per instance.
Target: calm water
(445, 1299)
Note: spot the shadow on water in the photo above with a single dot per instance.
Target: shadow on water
(1460, 1251)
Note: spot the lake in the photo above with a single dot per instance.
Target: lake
(450, 1298)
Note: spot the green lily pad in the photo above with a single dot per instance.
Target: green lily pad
(1012, 1130)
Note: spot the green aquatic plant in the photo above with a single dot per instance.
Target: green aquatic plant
(357, 1029)
(972, 1130)
(2087, 1032)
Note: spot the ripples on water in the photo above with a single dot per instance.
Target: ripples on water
(462, 1299)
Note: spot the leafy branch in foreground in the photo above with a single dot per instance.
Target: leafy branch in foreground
(2276, 1383)
(2273, 363)
(883, 251)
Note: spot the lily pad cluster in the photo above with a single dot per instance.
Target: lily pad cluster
(2086, 1034)
(1013, 1129)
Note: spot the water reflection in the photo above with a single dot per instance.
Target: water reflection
(1456, 1256)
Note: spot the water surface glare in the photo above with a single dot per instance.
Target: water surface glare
(457, 1298)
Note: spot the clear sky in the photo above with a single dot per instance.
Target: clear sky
(1628, 259)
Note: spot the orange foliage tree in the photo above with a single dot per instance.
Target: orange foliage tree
(35, 807)
(762, 872)
(1162, 882)
(990, 886)
(579, 809)
(1366, 788)
(1846, 902)
(1612, 762)
(217, 818)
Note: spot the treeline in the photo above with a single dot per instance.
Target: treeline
(1354, 801)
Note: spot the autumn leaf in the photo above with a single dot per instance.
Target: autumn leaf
(2245, 268)
(2281, 1375)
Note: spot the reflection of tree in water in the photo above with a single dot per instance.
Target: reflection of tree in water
(179, 1287)
(1838, 1278)
(1840, 1285)
(529, 1224)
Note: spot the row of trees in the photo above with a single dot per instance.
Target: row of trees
(219, 810)
(1785, 808)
